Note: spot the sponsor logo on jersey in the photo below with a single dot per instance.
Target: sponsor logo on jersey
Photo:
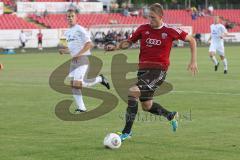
(70, 40)
(150, 42)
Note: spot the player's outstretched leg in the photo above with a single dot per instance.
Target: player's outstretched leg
(157, 109)
(105, 81)
(99, 79)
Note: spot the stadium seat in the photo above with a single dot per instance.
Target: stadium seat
(13, 22)
(200, 25)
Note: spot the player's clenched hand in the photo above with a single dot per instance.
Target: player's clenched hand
(192, 67)
(63, 51)
(75, 59)
(125, 44)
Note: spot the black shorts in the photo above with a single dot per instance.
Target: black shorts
(39, 41)
(23, 44)
(148, 81)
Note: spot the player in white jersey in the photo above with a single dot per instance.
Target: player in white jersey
(218, 32)
(23, 40)
(79, 45)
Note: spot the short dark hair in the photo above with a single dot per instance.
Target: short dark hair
(72, 10)
(156, 8)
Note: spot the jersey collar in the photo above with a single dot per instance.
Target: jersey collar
(160, 27)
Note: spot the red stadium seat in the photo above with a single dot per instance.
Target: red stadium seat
(200, 25)
(14, 22)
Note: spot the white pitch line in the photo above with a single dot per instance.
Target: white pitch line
(174, 91)
(204, 92)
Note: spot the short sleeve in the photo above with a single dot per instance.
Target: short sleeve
(178, 34)
(85, 35)
(65, 34)
(223, 28)
(136, 35)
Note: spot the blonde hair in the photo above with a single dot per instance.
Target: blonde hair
(156, 8)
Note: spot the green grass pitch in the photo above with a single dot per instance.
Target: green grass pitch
(209, 105)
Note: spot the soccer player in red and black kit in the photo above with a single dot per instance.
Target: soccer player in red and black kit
(156, 40)
(40, 37)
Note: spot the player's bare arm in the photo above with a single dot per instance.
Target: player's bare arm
(227, 35)
(193, 61)
(209, 40)
(125, 44)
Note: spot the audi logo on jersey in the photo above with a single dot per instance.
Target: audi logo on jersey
(150, 42)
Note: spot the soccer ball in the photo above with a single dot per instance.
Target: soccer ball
(112, 141)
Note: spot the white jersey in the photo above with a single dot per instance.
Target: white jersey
(77, 37)
(217, 30)
(22, 37)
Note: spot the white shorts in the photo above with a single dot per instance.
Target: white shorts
(78, 70)
(217, 48)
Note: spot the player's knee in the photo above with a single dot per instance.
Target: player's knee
(211, 54)
(132, 102)
(76, 84)
(134, 92)
(146, 106)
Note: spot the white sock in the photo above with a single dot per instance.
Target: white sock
(225, 64)
(91, 82)
(77, 94)
(214, 59)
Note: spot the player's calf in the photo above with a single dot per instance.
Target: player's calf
(1, 66)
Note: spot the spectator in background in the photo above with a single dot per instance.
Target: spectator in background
(23, 40)
(113, 21)
(194, 13)
(40, 37)
(201, 13)
(198, 38)
(210, 9)
(127, 35)
(134, 13)
(125, 12)
(45, 13)
(99, 39)
(145, 11)
(229, 25)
